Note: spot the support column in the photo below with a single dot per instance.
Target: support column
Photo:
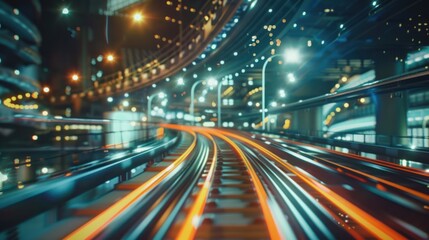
(85, 39)
(391, 108)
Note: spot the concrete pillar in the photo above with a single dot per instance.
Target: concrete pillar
(391, 107)
(86, 36)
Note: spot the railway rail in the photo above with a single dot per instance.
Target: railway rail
(219, 184)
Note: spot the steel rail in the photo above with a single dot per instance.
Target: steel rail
(155, 224)
(96, 225)
(369, 222)
(342, 168)
(194, 217)
(307, 219)
(412, 171)
(21, 204)
(273, 228)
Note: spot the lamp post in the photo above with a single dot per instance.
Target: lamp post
(291, 56)
(263, 88)
(191, 109)
(211, 82)
(149, 103)
(219, 119)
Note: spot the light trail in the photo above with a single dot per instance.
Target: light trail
(94, 226)
(389, 183)
(357, 157)
(273, 228)
(373, 225)
(193, 219)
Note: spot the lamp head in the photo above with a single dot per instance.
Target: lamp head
(292, 55)
(212, 82)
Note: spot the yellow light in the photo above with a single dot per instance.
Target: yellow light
(286, 124)
(75, 77)
(27, 95)
(344, 79)
(133, 109)
(346, 105)
(338, 109)
(19, 96)
(362, 100)
(46, 89)
(45, 113)
(34, 137)
(137, 17)
(13, 98)
(110, 58)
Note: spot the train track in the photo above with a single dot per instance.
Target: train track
(223, 185)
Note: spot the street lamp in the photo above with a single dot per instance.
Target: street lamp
(65, 11)
(137, 17)
(191, 109)
(219, 120)
(149, 103)
(110, 57)
(211, 82)
(291, 56)
(180, 81)
(75, 77)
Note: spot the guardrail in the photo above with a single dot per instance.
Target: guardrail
(28, 202)
(57, 155)
(412, 142)
(396, 147)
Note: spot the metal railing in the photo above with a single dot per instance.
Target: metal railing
(368, 138)
(61, 155)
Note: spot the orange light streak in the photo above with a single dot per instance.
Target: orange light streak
(357, 157)
(273, 228)
(372, 224)
(93, 227)
(193, 219)
(389, 183)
